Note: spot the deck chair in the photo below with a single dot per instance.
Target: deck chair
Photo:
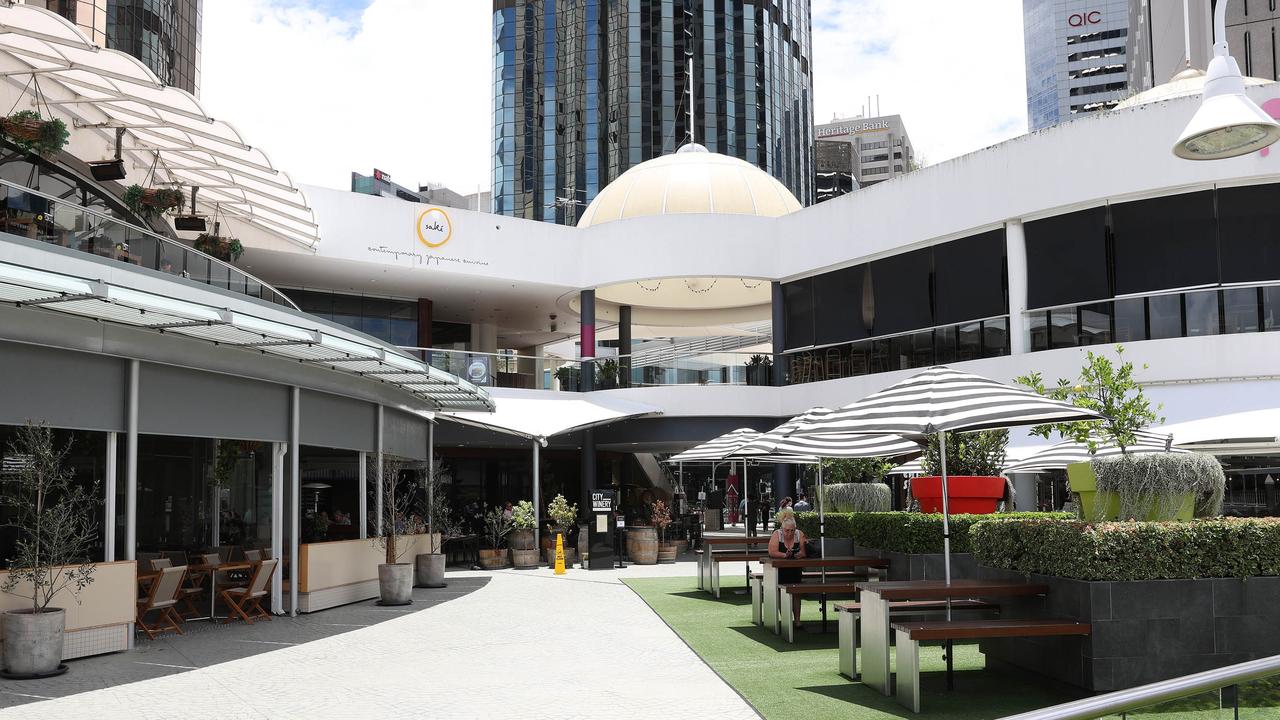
(247, 601)
(163, 596)
(253, 556)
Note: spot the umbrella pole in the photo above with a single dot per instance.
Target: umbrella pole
(822, 523)
(946, 542)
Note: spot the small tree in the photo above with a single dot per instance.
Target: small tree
(975, 453)
(437, 485)
(522, 517)
(852, 470)
(53, 516)
(661, 519)
(561, 512)
(1105, 387)
(397, 506)
(496, 527)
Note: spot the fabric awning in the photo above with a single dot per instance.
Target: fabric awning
(1060, 455)
(540, 415)
(1249, 427)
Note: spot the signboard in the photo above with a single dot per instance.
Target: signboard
(479, 370)
(601, 501)
(379, 175)
(855, 128)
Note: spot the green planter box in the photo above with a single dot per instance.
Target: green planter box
(1084, 483)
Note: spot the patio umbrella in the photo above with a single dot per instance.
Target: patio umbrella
(941, 400)
(915, 467)
(1060, 455)
(720, 449)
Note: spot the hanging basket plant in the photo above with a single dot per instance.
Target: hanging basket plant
(224, 248)
(28, 130)
(149, 202)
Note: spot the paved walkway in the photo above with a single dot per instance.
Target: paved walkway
(527, 644)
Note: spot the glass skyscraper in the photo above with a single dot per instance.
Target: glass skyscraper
(585, 89)
(163, 34)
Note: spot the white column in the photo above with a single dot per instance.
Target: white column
(1016, 257)
(109, 501)
(295, 503)
(131, 466)
(363, 502)
(278, 451)
(377, 481)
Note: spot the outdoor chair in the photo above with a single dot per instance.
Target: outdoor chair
(837, 364)
(158, 564)
(162, 597)
(177, 557)
(247, 601)
(144, 558)
(253, 556)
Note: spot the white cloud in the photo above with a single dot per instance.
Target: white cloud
(953, 70)
(404, 87)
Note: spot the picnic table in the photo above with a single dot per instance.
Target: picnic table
(708, 569)
(874, 619)
(769, 605)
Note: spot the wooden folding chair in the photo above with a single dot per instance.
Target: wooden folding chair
(163, 597)
(247, 601)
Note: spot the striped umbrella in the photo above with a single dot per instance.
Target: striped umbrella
(718, 450)
(1057, 457)
(941, 400)
(915, 467)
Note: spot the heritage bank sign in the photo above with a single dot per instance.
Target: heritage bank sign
(853, 129)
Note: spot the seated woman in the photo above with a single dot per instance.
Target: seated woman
(788, 542)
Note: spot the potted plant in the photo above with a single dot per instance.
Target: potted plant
(974, 484)
(149, 202)
(568, 377)
(395, 578)
(56, 531)
(429, 566)
(524, 551)
(1151, 486)
(29, 131)
(608, 374)
(661, 520)
(562, 516)
(223, 248)
(496, 527)
(760, 370)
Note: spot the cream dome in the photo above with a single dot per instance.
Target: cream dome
(691, 180)
(1188, 82)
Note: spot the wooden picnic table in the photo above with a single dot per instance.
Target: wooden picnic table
(706, 567)
(874, 620)
(769, 603)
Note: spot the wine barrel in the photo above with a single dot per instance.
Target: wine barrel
(642, 545)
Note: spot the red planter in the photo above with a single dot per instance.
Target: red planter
(967, 494)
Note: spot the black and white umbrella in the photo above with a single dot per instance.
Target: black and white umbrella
(717, 450)
(1060, 455)
(941, 400)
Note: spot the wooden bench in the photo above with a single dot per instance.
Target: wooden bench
(720, 557)
(848, 613)
(757, 588)
(802, 590)
(908, 636)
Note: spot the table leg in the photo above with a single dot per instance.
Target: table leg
(757, 598)
(874, 630)
(715, 579)
(213, 594)
(908, 654)
(771, 598)
(702, 571)
(788, 624)
(847, 629)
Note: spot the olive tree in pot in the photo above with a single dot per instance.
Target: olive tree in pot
(496, 527)
(562, 516)
(429, 566)
(395, 578)
(661, 520)
(56, 530)
(524, 551)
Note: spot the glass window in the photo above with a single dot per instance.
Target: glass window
(901, 289)
(86, 458)
(1165, 314)
(1202, 313)
(1249, 232)
(969, 279)
(922, 349)
(330, 497)
(969, 342)
(944, 345)
(1240, 308)
(995, 337)
(1067, 258)
(1063, 331)
(837, 302)
(1131, 320)
(1164, 243)
(1095, 324)
(1271, 308)
(797, 299)
(347, 310)
(1038, 325)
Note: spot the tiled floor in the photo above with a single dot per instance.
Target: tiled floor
(524, 644)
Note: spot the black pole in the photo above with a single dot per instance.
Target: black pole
(587, 336)
(624, 346)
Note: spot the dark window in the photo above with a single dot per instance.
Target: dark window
(944, 345)
(1038, 325)
(1165, 243)
(1165, 312)
(1249, 230)
(969, 342)
(1131, 320)
(1062, 328)
(995, 337)
(1095, 324)
(1271, 308)
(1240, 309)
(797, 298)
(1067, 259)
(839, 296)
(969, 281)
(901, 289)
(1202, 313)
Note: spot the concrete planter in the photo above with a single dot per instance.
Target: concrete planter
(395, 584)
(33, 642)
(429, 570)
(920, 566)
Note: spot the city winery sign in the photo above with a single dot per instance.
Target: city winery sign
(869, 126)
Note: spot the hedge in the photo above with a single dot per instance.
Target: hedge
(1206, 548)
(905, 532)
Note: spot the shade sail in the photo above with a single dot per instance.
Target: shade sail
(541, 415)
(942, 399)
(168, 135)
(787, 440)
(719, 448)
(1060, 455)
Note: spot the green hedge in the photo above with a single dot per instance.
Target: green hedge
(1221, 547)
(905, 532)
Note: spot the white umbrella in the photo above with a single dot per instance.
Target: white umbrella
(1060, 455)
(721, 449)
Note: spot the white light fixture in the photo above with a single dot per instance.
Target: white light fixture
(42, 280)
(273, 328)
(1227, 124)
(354, 349)
(400, 362)
(161, 304)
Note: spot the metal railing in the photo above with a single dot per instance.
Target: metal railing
(1231, 677)
(46, 218)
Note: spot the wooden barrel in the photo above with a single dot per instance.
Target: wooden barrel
(642, 545)
(521, 540)
(667, 553)
(493, 559)
(524, 559)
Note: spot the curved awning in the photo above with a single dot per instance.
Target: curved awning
(540, 415)
(98, 91)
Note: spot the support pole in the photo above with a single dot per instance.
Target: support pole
(295, 500)
(946, 542)
(624, 346)
(109, 501)
(131, 466)
(1015, 240)
(431, 486)
(822, 523)
(278, 452)
(587, 335)
(537, 496)
(363, 502)
(377, 481)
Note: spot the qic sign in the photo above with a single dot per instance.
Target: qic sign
(1080, 19)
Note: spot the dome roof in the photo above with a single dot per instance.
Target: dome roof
(691, 180)
(1189, 81)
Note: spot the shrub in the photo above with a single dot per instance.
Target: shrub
(976, 453)
(1157, 481)
(857, 497)
(561, 512)
(1217, 547)
(522, 516)
(905, 532)
(852, 470)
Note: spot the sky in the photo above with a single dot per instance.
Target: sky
(327, 87)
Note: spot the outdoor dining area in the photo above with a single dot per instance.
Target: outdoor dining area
(174, 589)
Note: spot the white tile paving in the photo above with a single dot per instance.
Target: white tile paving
(527, 645)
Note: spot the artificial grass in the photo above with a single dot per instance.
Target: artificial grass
(800, 681)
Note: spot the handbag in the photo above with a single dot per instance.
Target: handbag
(812, 549)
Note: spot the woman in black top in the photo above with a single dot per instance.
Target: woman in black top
(788, 542)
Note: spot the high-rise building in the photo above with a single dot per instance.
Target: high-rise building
(1157, 46)
(1076, 56)
(868, 150)
(1252, 27)
(585, 89)
(379, 183)
(163, 34)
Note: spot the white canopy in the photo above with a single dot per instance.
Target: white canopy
(1250, 427)
(95, 90)
(539, 414)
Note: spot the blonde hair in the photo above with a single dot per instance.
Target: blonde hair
(784, 515)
